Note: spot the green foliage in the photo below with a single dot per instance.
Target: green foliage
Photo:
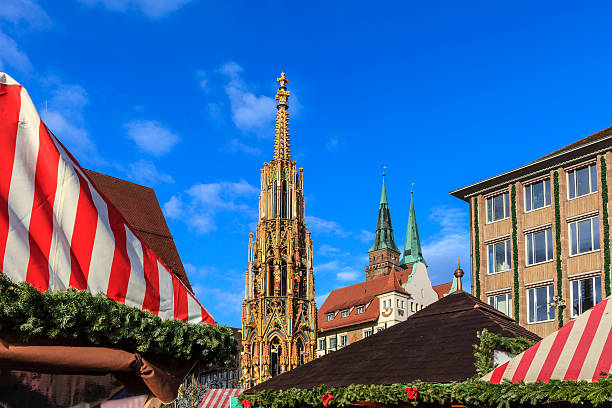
(558, 244)
(80, 316)
(470, 393)
(606, 225)
(515, 261)
(483, 352)
(477, 247)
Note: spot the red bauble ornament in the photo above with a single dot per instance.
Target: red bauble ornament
(247, 404)
(326, 398)
(412, 393)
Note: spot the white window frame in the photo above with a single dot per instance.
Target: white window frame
(367, 333)
(571, 239)
(595, 301)
(530, 187)
(573, 170)
(533, 247)
(334, 341)
(506, 252)
(345, 313)
(343, 340)
(324, 343)
(330, 317)
(493, 302)
(360, 309)
(549, 299)
(506, 205)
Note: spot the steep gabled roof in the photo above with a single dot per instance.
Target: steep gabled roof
(443, 289)
(434, 345)
(140, 208)
(360, 294)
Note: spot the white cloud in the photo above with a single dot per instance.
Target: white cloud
(63, 115)
(320, 226)
(344, 273)
(11, 55)
(236, 146)
(26, 11)
(367, 237)
(333, 143)
(348, 275)
(199, 205)
(230, 299)
(451, 242)
(151, 136)
(196, 272)
(153, 9)
(145, 172)
(328, 250)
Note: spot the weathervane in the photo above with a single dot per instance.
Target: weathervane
(383, 169)
(411, 188)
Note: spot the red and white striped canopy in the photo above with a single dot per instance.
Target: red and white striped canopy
(58, 231)
(219, 397)
(580, 350)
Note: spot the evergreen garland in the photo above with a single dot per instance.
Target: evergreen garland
(477, 247)
(558, 244)
(483, 352)
(515, 260)
(606, 225)
(78, 316)
(470, 393)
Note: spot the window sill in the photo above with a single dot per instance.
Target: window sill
(585, 253)
(584, 195)
(542, 321)
(497, 273)
(501, 219)
(539, 263)
(537, 209)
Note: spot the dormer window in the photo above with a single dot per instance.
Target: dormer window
(345, 313)
(330, 316)
(360, 309)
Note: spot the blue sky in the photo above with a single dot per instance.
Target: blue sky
(178, 95)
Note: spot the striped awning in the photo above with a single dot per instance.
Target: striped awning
(580, 350)
(58, 231)
(219, 397)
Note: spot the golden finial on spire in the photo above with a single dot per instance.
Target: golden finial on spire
(282, 149)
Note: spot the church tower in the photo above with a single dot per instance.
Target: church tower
(383, 255)
(278, 312)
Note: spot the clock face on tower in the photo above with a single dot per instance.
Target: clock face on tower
(279, 315)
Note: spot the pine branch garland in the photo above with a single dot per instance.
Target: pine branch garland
(606, 225)
(558, 244)
(76, 315)
(515, 261)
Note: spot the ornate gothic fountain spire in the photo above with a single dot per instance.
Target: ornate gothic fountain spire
(282, 146)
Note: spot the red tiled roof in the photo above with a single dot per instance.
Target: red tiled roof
(442, 289)
(360, 294)
(140, 208)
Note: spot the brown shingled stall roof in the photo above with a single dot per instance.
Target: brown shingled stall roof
(434, 345)
(140, 208)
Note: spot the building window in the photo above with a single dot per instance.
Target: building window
(586, 293)
(582, 181)
(345, 313)
(380, 329)
(539, 247)
(537, 195)
(330, 316)
(343, 340)
(584, 236)
(332, 342)
(499, 256)
(538, 309)
(321, 344)
(502, 302)
(498, 207)
(367, 333)
(360, 309)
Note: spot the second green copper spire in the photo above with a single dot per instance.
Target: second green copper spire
(412, 247)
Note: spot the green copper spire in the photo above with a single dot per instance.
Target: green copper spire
(412, 248)
(384, 230)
